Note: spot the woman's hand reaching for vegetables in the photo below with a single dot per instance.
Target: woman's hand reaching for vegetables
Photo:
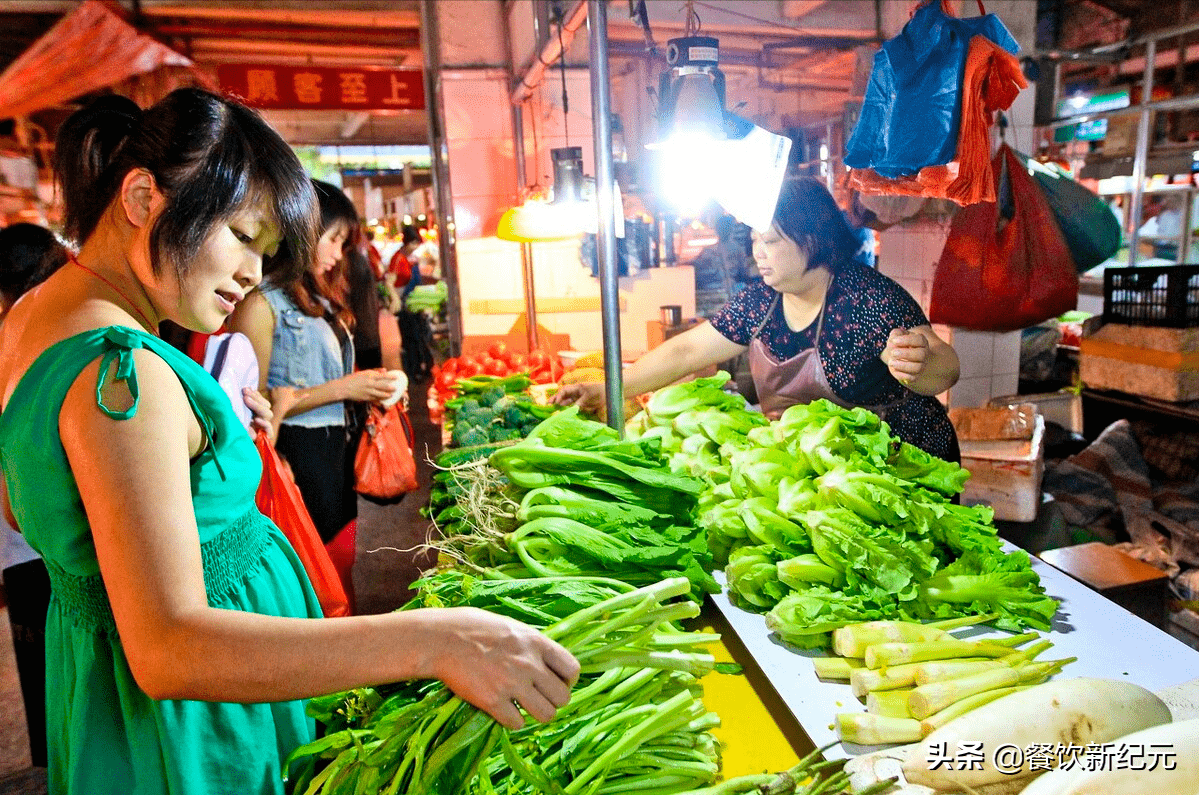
(588, 397)
(497, 663)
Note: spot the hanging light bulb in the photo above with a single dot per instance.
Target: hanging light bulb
(692, 121)
(568, 214)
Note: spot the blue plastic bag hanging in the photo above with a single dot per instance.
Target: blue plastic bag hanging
(912, 108)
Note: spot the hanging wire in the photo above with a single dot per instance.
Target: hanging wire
(565, 96)
(693, 20)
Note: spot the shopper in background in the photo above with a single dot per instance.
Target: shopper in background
(28, 255)
(372, 253)
(301, 329)
(183, 633)
(362, 296)
(819, 325)
(416, 357)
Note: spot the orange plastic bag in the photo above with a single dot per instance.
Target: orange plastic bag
(279, 498)
(1005, 265)
(384, 466)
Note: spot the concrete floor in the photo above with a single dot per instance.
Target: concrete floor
(388, 560)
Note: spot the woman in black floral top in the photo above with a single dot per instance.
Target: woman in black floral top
(817, 325)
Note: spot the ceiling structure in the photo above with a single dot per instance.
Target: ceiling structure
(802, 46)
(356, 33)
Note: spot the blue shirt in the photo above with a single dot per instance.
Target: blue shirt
(306, 353)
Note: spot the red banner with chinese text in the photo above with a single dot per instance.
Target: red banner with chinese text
(282, 87)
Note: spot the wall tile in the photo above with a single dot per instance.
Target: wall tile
(975, 353)
(1004, 384)
(477, 107)
(479, 167)
(970, 392)
(1007, 353)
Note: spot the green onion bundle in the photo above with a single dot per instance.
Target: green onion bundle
(635, 722)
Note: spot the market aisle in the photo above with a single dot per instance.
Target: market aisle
(389, 535)
(14, 738)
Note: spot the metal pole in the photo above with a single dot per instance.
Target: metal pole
(439, 163)
(526, 249)
(605, 239)
(1142, 153)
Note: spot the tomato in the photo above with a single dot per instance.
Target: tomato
(498, 350)
(446, 379)
(468, 368)
(542, 377)
(539, 359)
(495, 367)
(518, 362)
(451, 366)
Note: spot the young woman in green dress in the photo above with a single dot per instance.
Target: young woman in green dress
(182, 634)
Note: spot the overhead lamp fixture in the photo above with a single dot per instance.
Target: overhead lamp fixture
(691, 121)
(568, 211)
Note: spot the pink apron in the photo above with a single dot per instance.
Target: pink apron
(800, 379)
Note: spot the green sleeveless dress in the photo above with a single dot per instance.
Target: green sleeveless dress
(104, 734)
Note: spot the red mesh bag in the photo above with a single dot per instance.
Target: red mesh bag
(1005, 265)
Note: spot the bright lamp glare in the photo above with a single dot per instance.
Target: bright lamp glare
(686, 177)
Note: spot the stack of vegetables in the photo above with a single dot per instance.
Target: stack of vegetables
(825, 519)
(635, 721)
(916, 678)
(492, 409)
(429, 298)
(573, 499)
(499, 361)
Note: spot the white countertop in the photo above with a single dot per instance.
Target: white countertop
(1109, 642)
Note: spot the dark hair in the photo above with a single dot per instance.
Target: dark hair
(307, 290)
(807, 214)
(210, 157)
(28, 255)
(409, 234)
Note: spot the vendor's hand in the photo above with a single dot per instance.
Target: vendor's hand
(906, 355)
(496, 663)
(260, 407)
(588, 397)
(371, 386)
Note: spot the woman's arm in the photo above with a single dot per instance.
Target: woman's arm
(920, 360)
(134, 482)
(254, 318)
(364, 385)
(678, 356)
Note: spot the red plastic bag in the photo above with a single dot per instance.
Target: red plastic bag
(384, 466)
(279, 498)
(1005, 265)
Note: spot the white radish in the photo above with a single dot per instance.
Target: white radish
(1068, 711)
(1170, 744)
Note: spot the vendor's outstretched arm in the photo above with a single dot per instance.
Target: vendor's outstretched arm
(677, 357)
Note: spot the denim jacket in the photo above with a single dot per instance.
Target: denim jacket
(306, 353)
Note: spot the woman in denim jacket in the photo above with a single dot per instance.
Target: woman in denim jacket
(302, 333)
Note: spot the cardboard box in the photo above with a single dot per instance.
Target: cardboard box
(1006, 474)
(1150, 361)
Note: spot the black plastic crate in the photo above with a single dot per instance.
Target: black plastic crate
(1152, 296)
